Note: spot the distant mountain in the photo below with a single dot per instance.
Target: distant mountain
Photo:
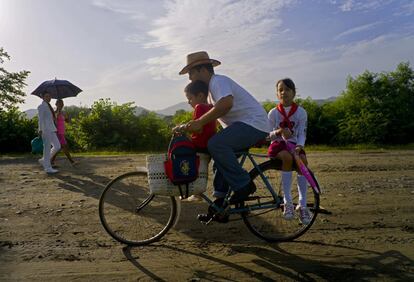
(30, 113)
(140, 110)
(317, 101)
(324, 101)
(170, 111)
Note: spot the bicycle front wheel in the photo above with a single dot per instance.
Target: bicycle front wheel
(131, 214)
(269, 223)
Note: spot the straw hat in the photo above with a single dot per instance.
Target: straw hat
(198, 58)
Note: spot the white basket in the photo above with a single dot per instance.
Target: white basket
(159, 183)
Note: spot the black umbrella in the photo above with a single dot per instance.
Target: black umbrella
(58, 89)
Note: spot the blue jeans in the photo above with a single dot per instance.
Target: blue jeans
(222, 146)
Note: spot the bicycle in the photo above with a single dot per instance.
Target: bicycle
(134, 216)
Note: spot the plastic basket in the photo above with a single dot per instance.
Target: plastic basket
(159, 183)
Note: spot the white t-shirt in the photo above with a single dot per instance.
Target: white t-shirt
(245, 108)
(299, 120)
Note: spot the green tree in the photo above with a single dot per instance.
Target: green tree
(16, 130)
(327, 127)
(74, 111)
(106, 126)
(377, 108)
(115, 127)
(313, 111)
(11, 85)
(268, 105)
(154, 132)
(181, 116)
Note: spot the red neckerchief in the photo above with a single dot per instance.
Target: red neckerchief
(286, 122)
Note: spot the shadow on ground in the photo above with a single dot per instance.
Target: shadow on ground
(275, 261)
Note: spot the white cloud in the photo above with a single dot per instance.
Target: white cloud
(122, 7)
(406, 10)
(347, 6)
(131, 82)
(365, 46)
(246, 36)
(357, 29)
(354, 5)
(258, 42)
(224, 28)
(322, 73)
(137, 38)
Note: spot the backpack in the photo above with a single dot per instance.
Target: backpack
(182, 163)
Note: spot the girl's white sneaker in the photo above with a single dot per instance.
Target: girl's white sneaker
(305, 216)
(288, 211)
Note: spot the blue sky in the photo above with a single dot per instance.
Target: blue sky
(132, 51)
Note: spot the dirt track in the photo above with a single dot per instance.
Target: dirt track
(50, 229)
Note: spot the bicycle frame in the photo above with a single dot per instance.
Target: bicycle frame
(254, 206)
(275, 203)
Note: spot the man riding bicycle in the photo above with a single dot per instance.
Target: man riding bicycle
(244, 123)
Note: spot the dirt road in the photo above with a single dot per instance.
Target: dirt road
(50, 229)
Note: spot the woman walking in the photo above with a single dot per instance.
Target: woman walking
(61, 118)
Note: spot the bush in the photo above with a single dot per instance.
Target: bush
(16, 131)
(115, 127)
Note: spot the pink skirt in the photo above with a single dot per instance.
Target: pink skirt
(62, 139)
(277, 147)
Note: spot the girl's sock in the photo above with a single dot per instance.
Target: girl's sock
(286, 185)
(302, 186)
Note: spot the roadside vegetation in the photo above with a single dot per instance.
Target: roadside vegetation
(374, 112)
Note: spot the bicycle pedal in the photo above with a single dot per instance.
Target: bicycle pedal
(205, 218)
(221, 218)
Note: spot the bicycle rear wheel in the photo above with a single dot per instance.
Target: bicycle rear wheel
(269, 224)
(131, 214)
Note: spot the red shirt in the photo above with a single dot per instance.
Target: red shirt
(200, 139)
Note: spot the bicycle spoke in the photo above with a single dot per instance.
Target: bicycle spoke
(269, 223)
(131, 215)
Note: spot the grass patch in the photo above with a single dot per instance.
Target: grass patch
(356, 147)
(77, 154)
(263, 150)
(360, 147)
(108, 153)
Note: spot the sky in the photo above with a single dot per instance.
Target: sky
(132, 51)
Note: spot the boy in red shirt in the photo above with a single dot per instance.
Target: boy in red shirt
(196, 93)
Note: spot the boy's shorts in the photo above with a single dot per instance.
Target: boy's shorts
(62, 139)
(277, 147)
(202, 150)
